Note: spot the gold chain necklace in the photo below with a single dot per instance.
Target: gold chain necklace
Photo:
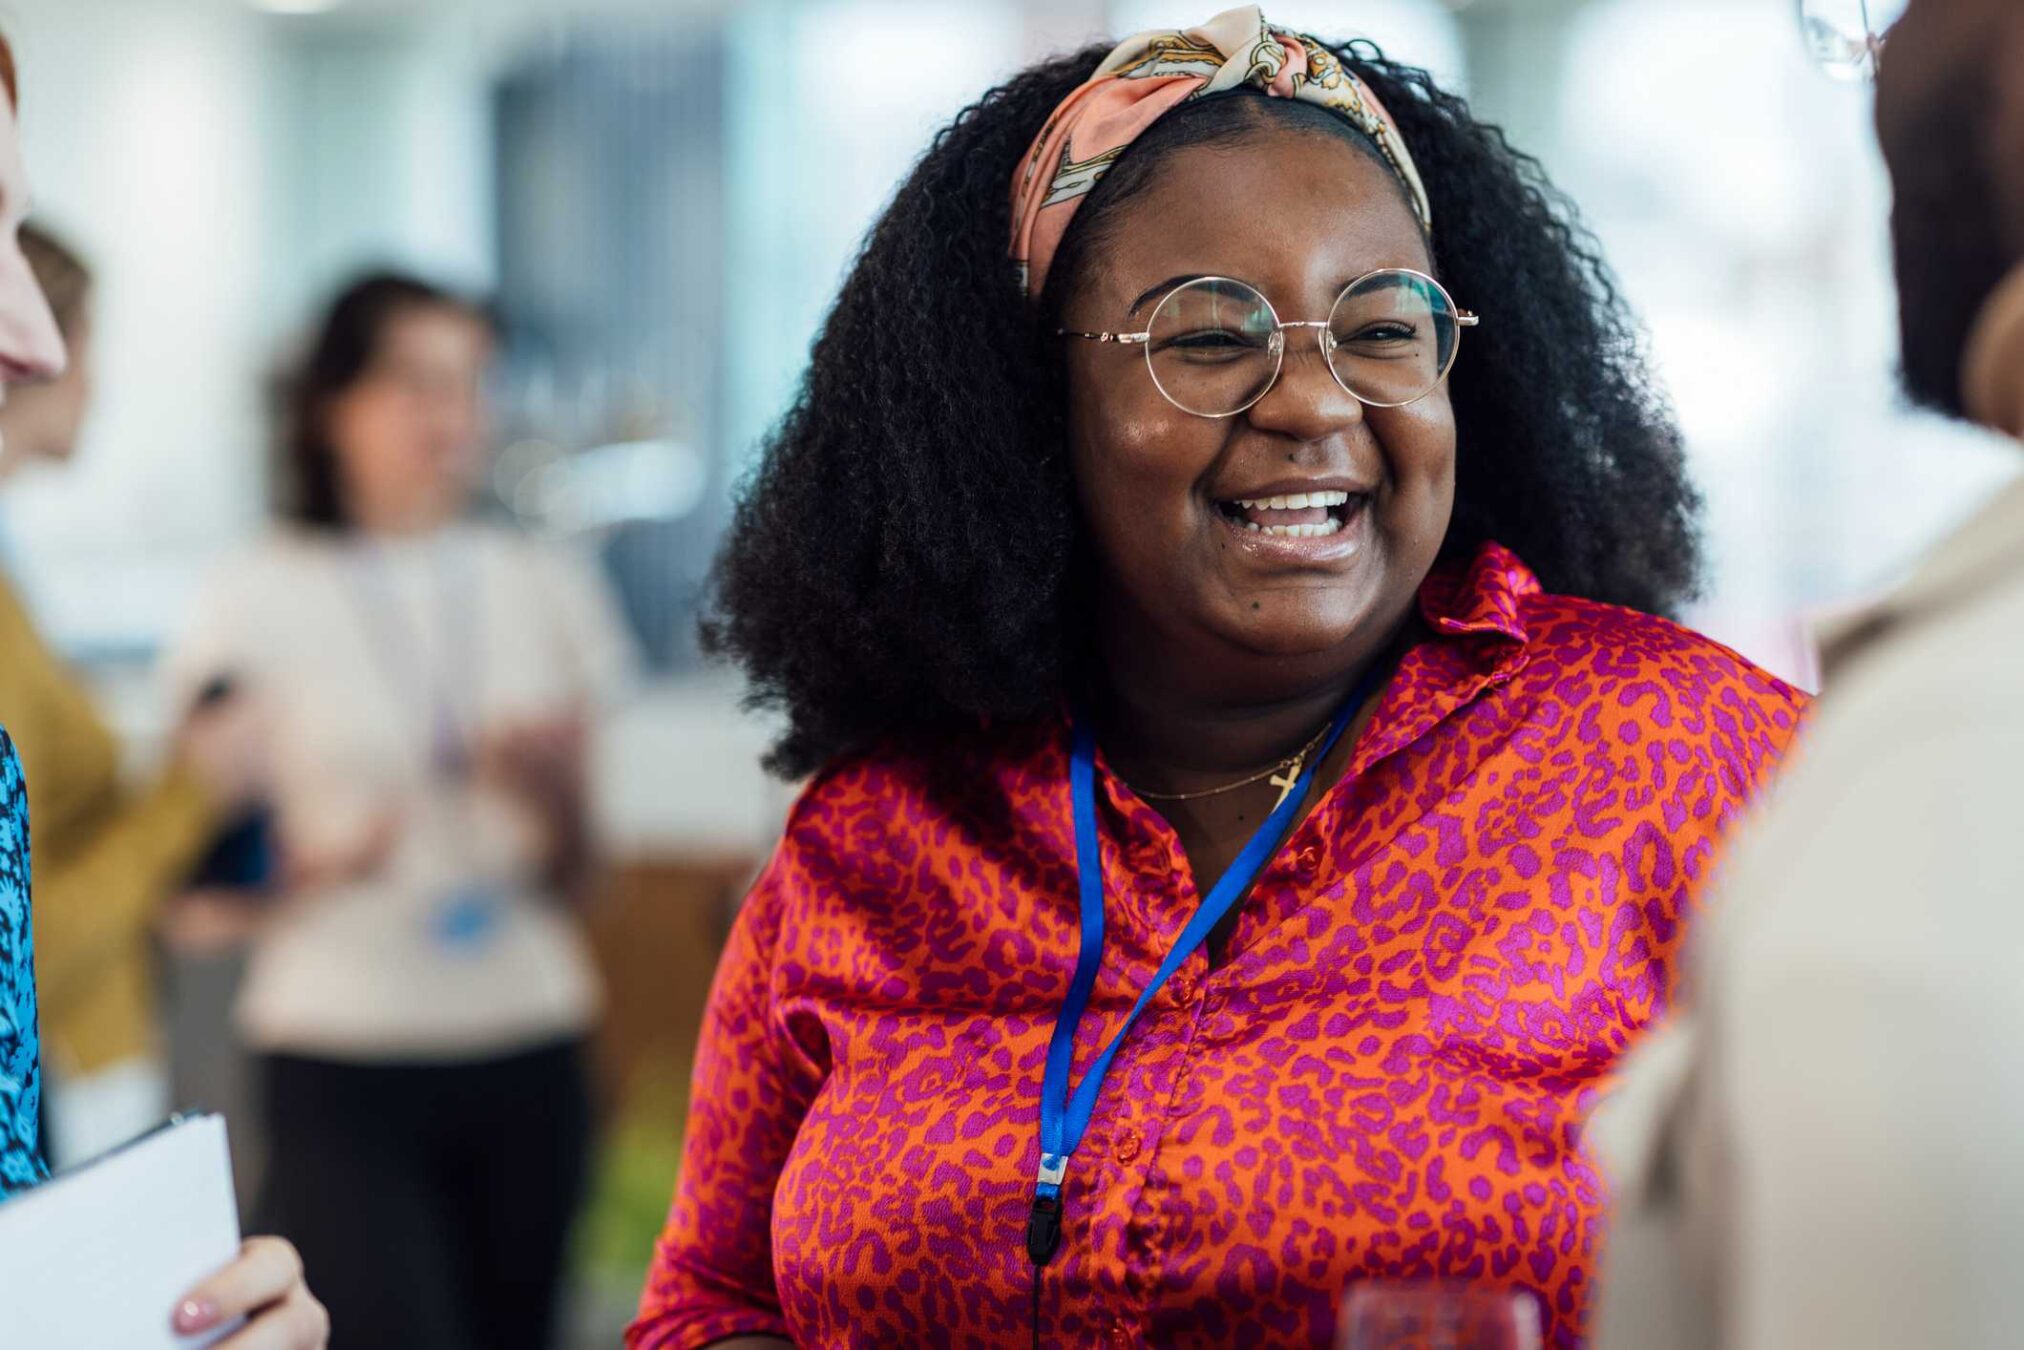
(1285, 776)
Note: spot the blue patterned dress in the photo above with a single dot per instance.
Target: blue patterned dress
(20, 1054)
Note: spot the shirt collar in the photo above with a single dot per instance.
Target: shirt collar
(1475, 611)
(1480, 597)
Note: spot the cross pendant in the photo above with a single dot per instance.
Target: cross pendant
(1286, 780)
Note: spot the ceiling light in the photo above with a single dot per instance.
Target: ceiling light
(296, 6)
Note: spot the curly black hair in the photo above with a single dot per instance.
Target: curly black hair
(906, 557)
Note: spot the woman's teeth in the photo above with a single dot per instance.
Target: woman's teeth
(1298, 515)
(1298, 501)
(1331, 526)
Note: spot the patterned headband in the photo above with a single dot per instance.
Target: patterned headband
(1146, 77)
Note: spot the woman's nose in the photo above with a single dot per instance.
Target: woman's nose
(1307, 402)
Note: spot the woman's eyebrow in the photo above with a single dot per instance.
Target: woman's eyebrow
(1160, 289)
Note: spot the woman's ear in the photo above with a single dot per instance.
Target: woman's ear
(1992, 368)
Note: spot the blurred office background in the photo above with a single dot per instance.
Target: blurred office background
(662, 194)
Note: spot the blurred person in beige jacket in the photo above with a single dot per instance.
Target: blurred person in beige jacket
(1827, 1148)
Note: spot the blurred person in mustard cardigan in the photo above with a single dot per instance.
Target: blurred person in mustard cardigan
(106, 853)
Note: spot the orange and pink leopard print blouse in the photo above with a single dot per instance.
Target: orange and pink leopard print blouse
(1381, 1079)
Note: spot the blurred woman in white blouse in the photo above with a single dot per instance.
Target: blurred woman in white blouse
(420, 993)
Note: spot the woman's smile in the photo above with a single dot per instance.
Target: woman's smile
(1319, 523)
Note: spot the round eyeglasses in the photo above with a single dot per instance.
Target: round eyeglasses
(1215, 345)
(1846, 38)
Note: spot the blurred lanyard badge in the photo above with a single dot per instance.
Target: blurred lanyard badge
(464, 920)
(1846, 38)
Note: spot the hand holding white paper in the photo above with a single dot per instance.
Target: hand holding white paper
(99, 1256)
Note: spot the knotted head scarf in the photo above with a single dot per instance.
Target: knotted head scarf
(1148, 76)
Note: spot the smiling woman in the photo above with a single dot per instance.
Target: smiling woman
(910, 554)
(1254, 804)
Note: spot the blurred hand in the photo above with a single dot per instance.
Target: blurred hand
(366, 854)
(541, 765)
(207, 922)
(535, 759)
(266, 1287)
(225, 744)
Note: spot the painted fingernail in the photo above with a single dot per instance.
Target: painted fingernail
(195, 1314)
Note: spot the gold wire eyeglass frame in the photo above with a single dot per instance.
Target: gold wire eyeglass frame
(1324, 337)
(1875, 35)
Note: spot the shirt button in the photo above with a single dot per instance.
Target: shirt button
(1127, 1144)
(1183, 986)
(1120, 1333)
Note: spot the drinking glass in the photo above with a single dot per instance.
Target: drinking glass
(1437, 1316)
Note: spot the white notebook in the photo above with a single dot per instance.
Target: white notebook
(100, 1255)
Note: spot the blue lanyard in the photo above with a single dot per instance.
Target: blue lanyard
(1063, 1118)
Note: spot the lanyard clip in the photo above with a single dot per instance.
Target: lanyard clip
(1043, 1228)
(1043, 1221)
